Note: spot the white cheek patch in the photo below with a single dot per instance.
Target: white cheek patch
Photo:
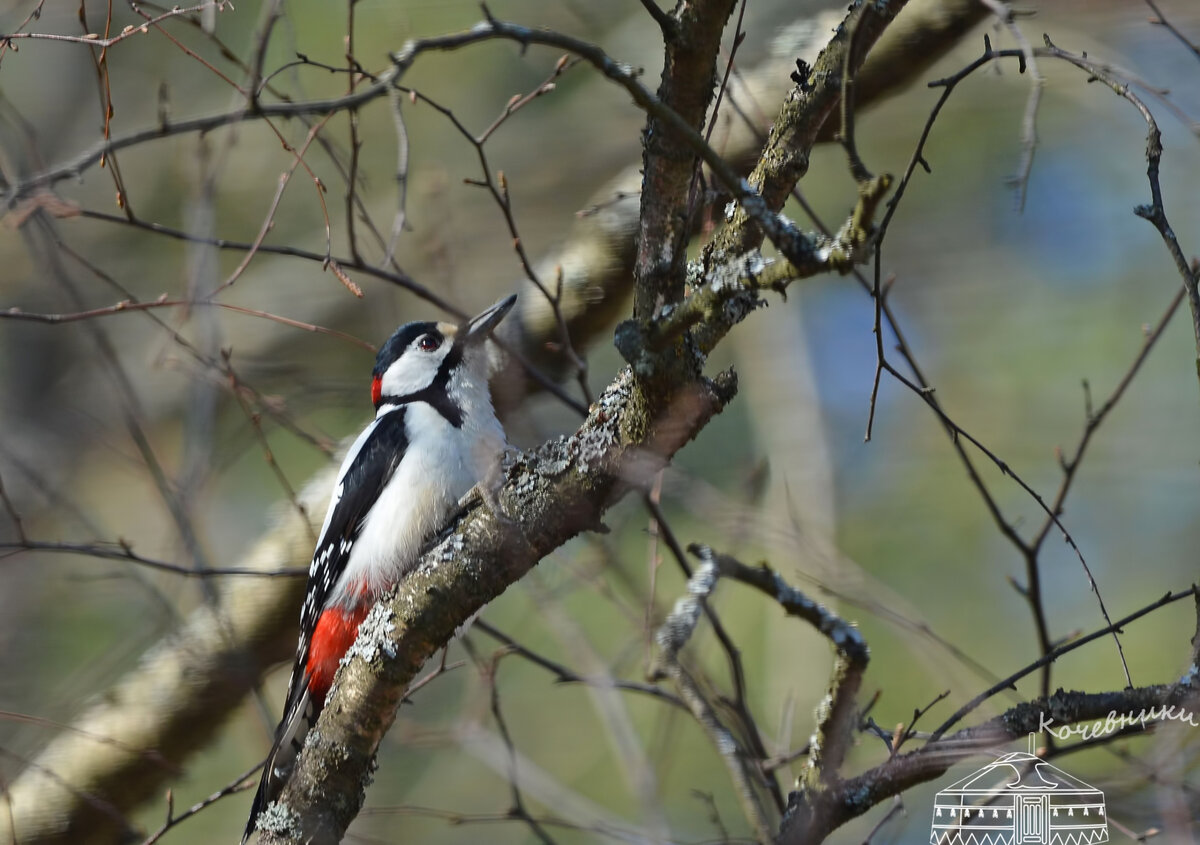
(413, 370)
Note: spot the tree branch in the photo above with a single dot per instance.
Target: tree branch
(811, 817)
(798, 126)
(686, 89)
(676, 630)
(550, 496)
(180, 693)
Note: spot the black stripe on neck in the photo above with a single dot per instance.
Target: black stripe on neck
(435, 395)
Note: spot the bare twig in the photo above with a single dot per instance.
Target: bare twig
(400, 218)
(838, 716)
(126, 306)
(239, 784)
(664, 20)
(12, 513)
(518, 810)
(910, 729)
(1161, 20)
(740, 705)
(1004, 13)
(209, 362)
(599, 828)
(671, 637)
(1094, 418)
(34, 14)
(1153, 212)
(1006, 683)
(497, 187)
(564, 675)
(91, 39)
(121, 550)
(255, 421)
(268, 220)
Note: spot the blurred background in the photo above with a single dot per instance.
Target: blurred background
(1008, 310)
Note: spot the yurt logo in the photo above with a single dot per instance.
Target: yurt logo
(1018, 799)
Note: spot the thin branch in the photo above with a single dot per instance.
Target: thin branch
(497, 187)
(148, 755)
(958, 432)
(517, 810)
(255, 421)
(910, 729)
(93, 801)
(265, 404)
(122, 550)
(598, 828)
(847, 137)
(1007, 683)
(896, 809)
(665, 22)
(1094, 418)
(133, 416)
(733, 656)
(1153, 212)
(126, 306)
(34, 14)
(838, 714)
(1004, 13)
(103, 79)
(239, 784)
(1161, 20)
(268, 221)
(564, 675)
(91, 39)
(271, 16)
(399, 279)
(676, 630)
(400, 218)
(13, 514)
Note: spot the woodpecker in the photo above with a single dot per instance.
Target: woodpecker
(435, 435)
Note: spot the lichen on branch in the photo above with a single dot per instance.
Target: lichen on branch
(550, 495)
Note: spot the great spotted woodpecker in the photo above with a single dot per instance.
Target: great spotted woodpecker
(434, 436)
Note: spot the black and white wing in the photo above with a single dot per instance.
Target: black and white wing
(367, 468)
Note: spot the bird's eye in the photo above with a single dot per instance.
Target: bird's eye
(429, 342)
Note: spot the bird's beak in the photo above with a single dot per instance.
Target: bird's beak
(479, 329)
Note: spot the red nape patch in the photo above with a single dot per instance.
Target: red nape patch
(335, 633)
(376, 390)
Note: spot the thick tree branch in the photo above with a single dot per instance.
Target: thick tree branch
(798, 126)
(669, 167)
(550, 495)
(597, 259)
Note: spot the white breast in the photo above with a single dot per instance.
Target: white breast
(442, 463)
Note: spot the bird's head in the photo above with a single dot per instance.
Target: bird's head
(421, 358)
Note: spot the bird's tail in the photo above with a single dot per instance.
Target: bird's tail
(289, 739)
